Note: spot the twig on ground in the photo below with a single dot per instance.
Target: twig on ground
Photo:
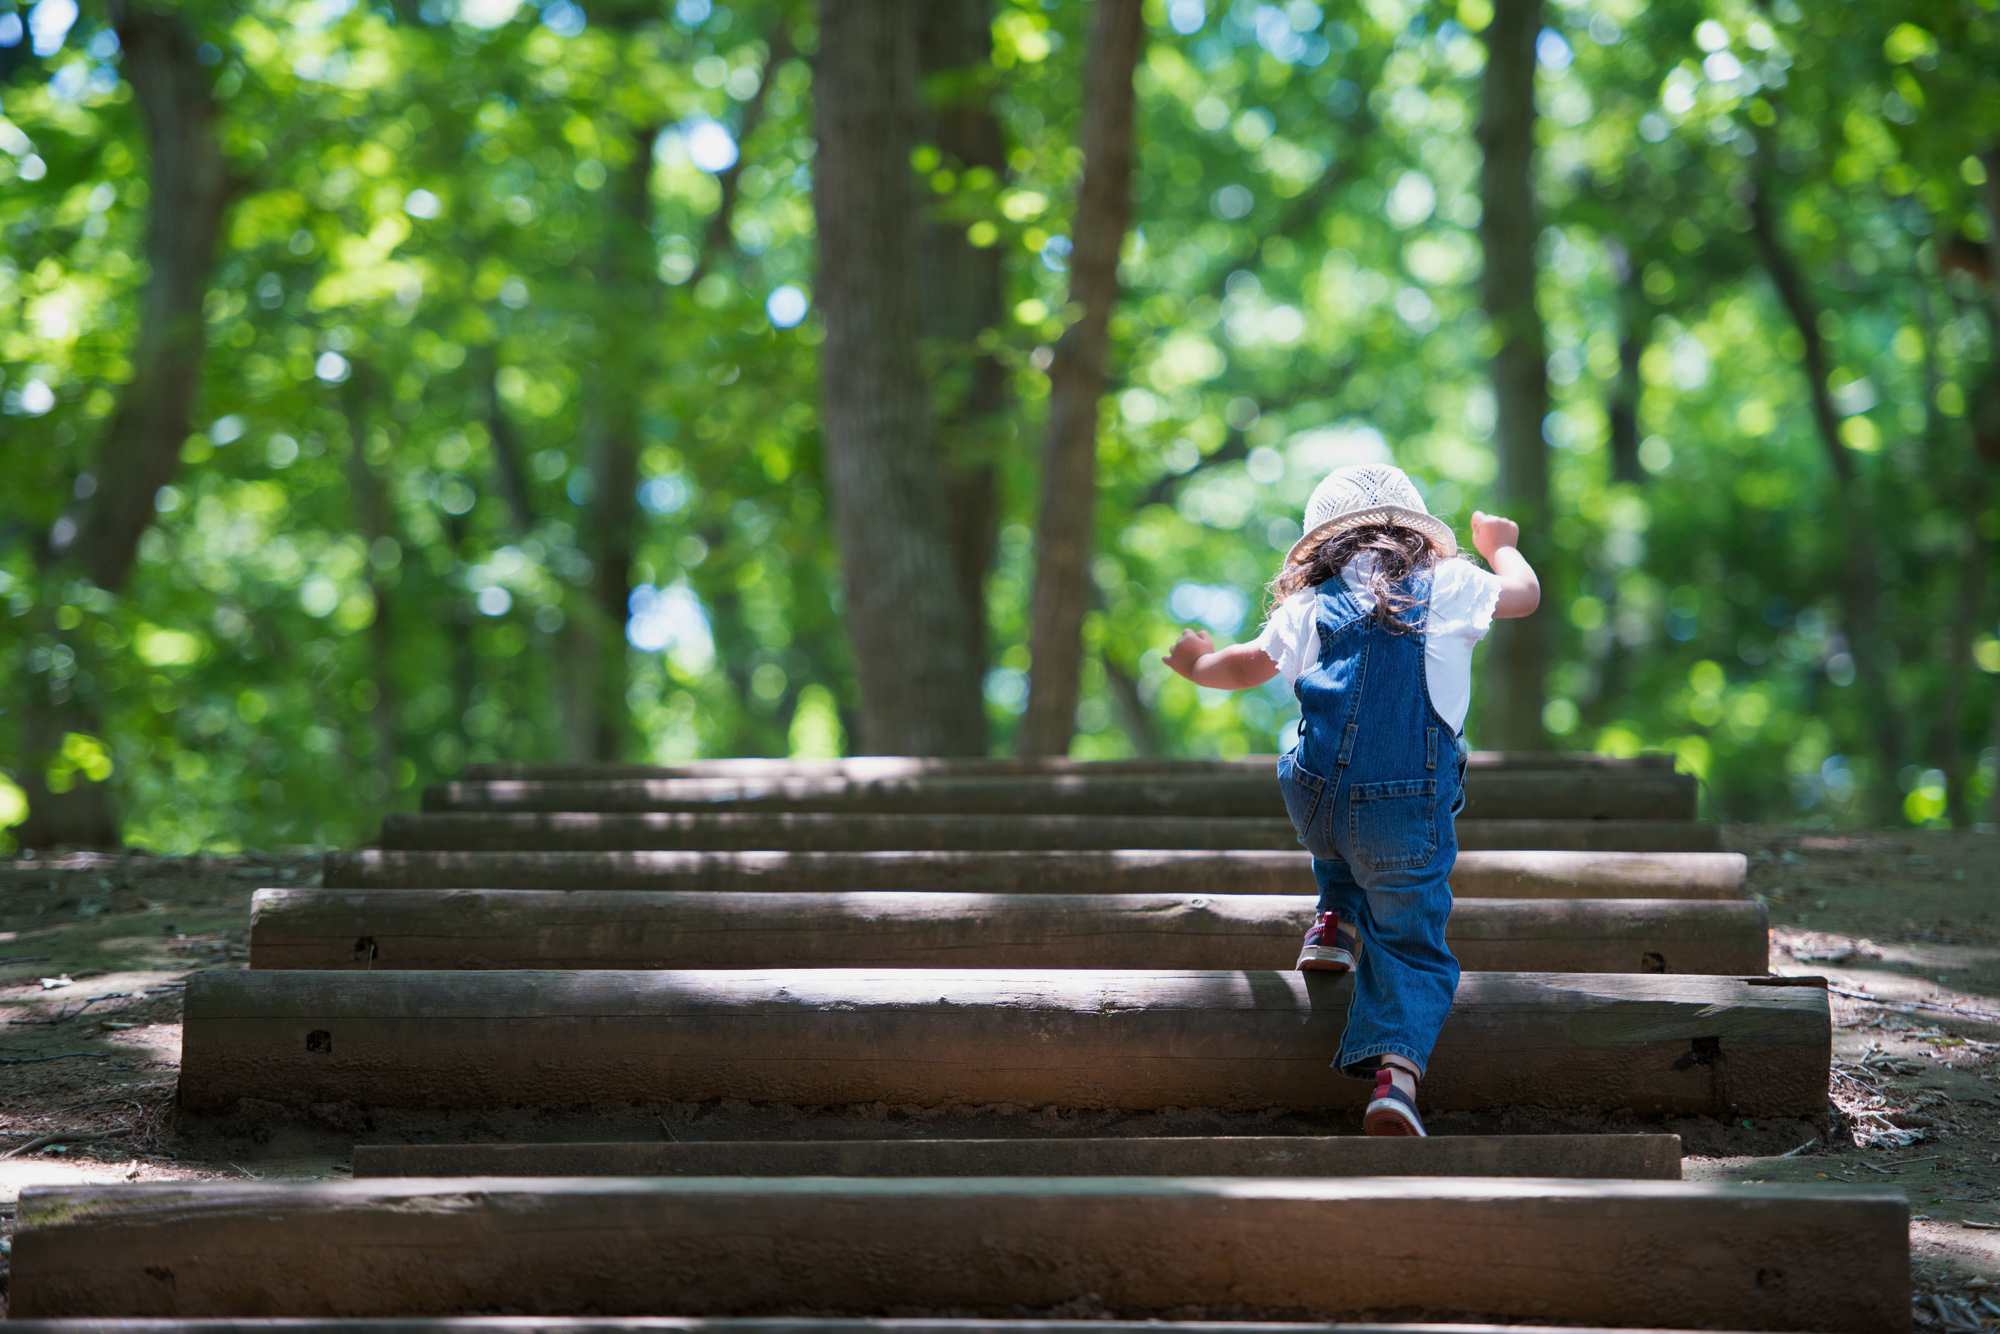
(31, 1060)
(62, 1137)
(95, 1102)
(1916, 1003)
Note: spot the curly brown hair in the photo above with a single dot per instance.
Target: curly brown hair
(1399, 553)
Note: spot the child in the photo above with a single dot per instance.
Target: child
(1374, 627)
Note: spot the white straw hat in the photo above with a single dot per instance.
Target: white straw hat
(1368, 493)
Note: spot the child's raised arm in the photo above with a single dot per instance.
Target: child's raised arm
(1497, 539)
(1238, 667)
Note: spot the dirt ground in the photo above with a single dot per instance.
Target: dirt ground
(1904, 925)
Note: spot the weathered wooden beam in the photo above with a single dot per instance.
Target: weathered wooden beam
(1550, 874)
(905, 766)
(624, 929)
(1241, 1040)
(589, 831)
(797, 1325)
(1603, 875)
(1674, 1253)
(1576, 1157)
(1507, 794)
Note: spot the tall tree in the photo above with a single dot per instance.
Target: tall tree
(1621, 403)
(963, 295)
(920, 683)
(1860, 593)
(1508, 227)
(139, 452)
(373, 520)
(1985, 437)
(1066, 528)
(631, 296)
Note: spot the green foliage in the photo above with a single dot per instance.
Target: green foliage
(427, 250)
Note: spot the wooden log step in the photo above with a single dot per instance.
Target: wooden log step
(1600, 875)
(613, 929)
(906, 766)
(1506, 794)
(1577, 1157)
(795, 1325)
(591, 831)
(1672, 1253)
(1139, 1041)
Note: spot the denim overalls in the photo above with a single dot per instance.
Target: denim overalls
(1373, 786)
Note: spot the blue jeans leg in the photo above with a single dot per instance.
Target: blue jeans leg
(1406, 978)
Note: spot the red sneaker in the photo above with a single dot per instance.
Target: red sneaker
(1391, 1111)
(1331, 945)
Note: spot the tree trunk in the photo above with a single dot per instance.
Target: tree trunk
(1064, 536)
(1946, 744)
(191, 186)
(1798, 303)
(718, 236)
(629, 285)
(1947, 740)
(1860, 589)
(1621, 406)
(510, 464)
(1133, 716)
(962, 284)
(1991, 157)
(371, 520)
(1508, 226)
(80, 814)
(140, 451)
(457, 621)
(920, 684)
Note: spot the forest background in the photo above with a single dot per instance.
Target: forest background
(388, 387)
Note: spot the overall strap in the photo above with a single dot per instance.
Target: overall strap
(1417, 618)
(1336, 611)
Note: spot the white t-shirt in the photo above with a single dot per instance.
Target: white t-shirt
(1461, 612)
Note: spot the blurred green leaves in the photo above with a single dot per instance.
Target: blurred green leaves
(351, 590)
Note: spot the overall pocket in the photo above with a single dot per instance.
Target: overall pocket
(1393, 826)
(1305, 793)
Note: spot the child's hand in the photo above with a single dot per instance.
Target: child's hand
(1190, 647)
(1490, 532)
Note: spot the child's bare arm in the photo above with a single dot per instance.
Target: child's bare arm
(1238, 667)
(1496, 538)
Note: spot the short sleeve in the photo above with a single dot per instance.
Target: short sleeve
(1284, 638)
(1463, 599)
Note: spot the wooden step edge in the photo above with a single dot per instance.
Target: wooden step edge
(798, 1325)
(1607, 1253)
(1655, 1157)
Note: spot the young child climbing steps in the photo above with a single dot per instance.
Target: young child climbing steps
(1374, 624)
